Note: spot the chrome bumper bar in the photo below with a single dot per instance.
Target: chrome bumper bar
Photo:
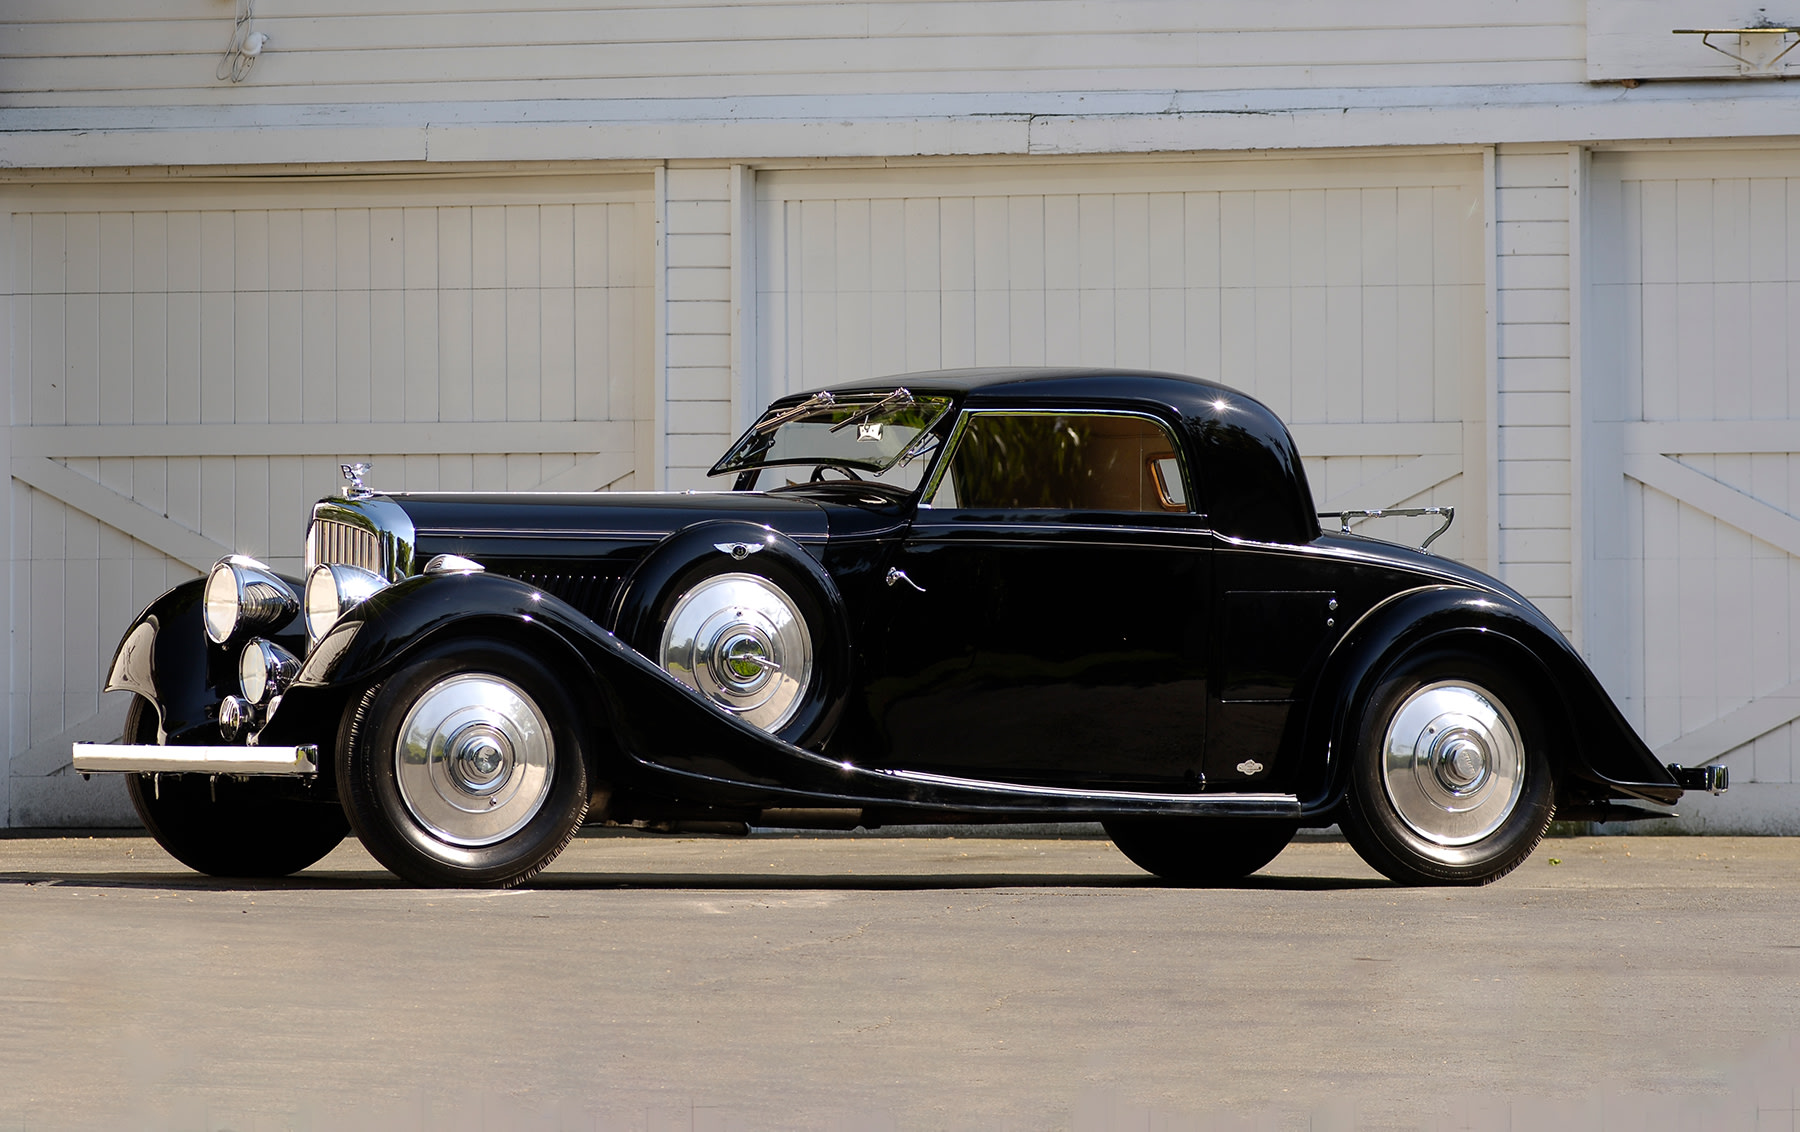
(134, 758)
(1712, 779)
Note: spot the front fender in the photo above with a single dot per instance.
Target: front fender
(1590, 738)
(641, 719)
(166, 658)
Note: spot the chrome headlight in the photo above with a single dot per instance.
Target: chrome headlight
(332, 589)
(265, 669)
(243, 595)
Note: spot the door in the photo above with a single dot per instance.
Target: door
(1692, 584)
(193, 359)
(1050, 623)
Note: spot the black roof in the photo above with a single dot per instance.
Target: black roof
(1253, 484)
(1015, 384)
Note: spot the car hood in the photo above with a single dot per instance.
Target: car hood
(630, 516)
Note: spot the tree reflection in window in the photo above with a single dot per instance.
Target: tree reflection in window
(1057, 462)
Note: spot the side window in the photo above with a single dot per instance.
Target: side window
(1062, 462)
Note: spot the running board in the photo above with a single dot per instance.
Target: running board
(136, 758)
(1219, 805)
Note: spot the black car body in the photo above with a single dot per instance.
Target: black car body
(966, 596)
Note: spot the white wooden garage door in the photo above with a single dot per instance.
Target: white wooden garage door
(191, 361)
(1691, 368)
(1345, 293)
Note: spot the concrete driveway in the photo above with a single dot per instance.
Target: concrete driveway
(903, 983)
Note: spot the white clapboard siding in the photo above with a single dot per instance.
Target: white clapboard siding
(165, 51)
(1532, 276)
(698, 237)
(192, 361)
(1695, 469)
(1345, 293)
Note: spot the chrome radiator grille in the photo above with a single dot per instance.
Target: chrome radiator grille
(344, 543)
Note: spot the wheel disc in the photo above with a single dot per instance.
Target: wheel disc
(1452, 763)
(741, 642)
(474, 759)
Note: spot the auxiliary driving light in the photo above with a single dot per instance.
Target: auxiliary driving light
(265, 669)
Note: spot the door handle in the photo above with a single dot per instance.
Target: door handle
(896, 575)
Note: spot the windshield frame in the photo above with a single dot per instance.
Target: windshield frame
(747, 454)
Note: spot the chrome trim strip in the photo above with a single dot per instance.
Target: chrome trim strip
(553, 532)
(1221, 801)
(146, 758)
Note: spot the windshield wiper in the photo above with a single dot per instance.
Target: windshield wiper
(804, 408)
(900, 396)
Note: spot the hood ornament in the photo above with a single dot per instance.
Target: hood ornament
(354, 473)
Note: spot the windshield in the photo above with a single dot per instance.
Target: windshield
(871, 433)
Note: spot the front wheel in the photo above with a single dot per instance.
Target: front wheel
(229, 827)
(465, 767)
(1200, 851)
(1450, 783)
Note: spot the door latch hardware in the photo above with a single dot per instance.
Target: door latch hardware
(895, 574)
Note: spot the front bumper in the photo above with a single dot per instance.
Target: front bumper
(135, 758)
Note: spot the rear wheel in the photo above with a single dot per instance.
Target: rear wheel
(1201, 851)
(465, 767)
(229, 827)
(1451, 783)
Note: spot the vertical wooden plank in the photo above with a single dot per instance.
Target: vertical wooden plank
(1274, 332)
(47, 336)
(286, 338)
(1026, 325)
(924, 338)
(1166, 345)
(250, 316)
(814, 289)
(89, 388)
(556, 354)
(956, 287)
(1062, 280)
(387, 314)
(1201, 266)
(1237, 289)
(524, 400)
(354, 323)
(1306, 340)
(851, 267)
(593, 362)
(1131, 280)
(1769, 344)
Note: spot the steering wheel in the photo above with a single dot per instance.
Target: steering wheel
(818, 475)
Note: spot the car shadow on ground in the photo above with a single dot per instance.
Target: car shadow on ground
(681, 882)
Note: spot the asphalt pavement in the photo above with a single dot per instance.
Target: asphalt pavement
(851, 982)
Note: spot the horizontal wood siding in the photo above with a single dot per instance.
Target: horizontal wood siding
(193, 376)
(1341, 293)
(698, 317)
(166, 51)
(1532, 247)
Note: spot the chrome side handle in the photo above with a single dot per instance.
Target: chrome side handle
(896, 575)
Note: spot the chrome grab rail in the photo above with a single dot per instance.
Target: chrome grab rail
(1343, 518)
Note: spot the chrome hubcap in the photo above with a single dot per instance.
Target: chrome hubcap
(474, 759)
(741, 642)
(1452, 763)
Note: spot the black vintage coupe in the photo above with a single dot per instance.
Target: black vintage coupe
(968, 596)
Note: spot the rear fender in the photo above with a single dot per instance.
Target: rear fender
(1589, 739)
